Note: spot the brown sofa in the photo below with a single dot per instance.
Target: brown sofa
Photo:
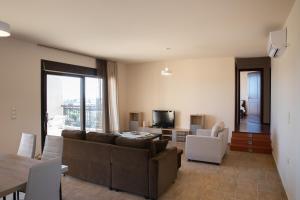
(118, 165)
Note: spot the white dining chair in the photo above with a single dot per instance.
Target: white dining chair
(53, 148)
(27, 148)
(44, 181)
(27, 145)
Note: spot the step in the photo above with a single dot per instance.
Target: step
(251, 142)
(252, 149)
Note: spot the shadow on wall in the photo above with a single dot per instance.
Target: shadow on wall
(177, 118)
(274, 143)
(210, 120)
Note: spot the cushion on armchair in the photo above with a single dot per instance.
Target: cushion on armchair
(218, 127)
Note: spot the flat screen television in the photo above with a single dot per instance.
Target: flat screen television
(163, 118)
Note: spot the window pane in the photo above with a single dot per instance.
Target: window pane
(93, 104)
(63, 104)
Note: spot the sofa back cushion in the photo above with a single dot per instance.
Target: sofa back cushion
(73, 134)
(134, 143)
(160, 145)
(101, 137)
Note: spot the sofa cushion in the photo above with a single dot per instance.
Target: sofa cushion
(101, 137)
(73, 134)
(135, 143)
(218, 127)
(160, 145)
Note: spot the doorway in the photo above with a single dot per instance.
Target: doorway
(250, 101)
(253, 105)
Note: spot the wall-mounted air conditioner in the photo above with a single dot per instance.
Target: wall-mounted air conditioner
(277, 43)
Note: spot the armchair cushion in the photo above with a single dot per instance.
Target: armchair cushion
(203, 132)
(218, 127)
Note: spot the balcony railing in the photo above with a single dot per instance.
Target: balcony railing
(93, 116)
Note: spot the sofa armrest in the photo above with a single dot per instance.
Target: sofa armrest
(162, 172)
(204, 148)
(205, 142)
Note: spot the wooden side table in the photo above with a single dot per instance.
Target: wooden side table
(179, 135)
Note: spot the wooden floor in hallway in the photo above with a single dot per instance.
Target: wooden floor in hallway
(252, 124)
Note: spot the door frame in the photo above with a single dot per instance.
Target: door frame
(62, 69)
(238, 93)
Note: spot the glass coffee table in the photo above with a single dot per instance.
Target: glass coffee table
(141, 135)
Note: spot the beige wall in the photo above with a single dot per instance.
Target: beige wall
(122, 86)
(20, 82)
(285, 103)
(202, 86)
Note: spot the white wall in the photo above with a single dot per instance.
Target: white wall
(201, 86)
(285, 102)
(20, 80)
(244, 86)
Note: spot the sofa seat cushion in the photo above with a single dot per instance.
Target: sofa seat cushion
(73, 134)
(134, 143)
(101, 137)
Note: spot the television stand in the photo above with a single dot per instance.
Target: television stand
(174, 134)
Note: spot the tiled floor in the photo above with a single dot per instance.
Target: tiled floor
(242, 176)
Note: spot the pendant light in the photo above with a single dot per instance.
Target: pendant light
(4, 29)
(166, 72)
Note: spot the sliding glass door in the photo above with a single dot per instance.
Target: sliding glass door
(63, 104)
(73, 102)
(93, 104)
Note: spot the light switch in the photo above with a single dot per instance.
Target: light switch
(289, 118)
(13, 114)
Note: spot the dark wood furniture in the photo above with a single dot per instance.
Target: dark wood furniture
(251, 142)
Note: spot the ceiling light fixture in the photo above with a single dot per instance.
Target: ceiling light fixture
(4, 29)
(166, 72)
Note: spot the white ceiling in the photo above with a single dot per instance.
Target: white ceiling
(141, 30)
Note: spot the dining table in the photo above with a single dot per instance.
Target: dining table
(14, 171)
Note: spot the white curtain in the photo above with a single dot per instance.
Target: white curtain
(112, 89)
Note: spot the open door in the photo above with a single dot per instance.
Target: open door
(254, 94)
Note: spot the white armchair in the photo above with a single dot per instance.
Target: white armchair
(206, 147)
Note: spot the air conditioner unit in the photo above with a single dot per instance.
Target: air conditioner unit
(277, 43)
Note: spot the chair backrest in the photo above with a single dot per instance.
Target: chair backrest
(53, 148)
(27, 145)
(44, 181)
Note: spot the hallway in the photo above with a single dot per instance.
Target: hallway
(251, 123)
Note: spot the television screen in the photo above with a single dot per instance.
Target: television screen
(163, 118)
